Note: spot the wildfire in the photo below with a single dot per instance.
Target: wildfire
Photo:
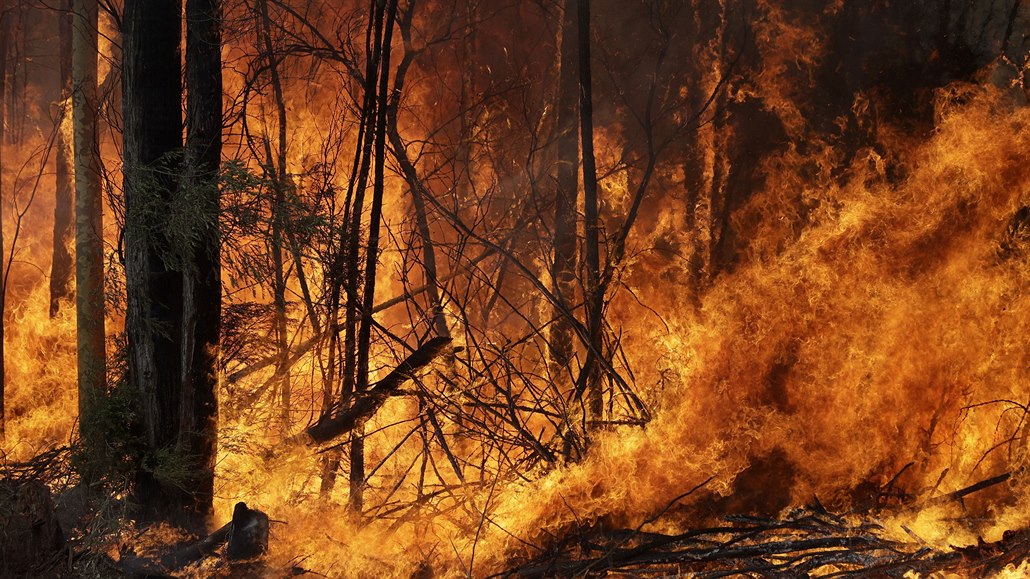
(822, 306)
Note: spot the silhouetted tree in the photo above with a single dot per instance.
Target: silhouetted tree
(171, 249)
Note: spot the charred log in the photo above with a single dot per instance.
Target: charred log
(366, 404)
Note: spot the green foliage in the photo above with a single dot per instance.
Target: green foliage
(170, 467)
(251, 210)
(171, 209)
(241, 209)
(111, 422)
(111, 467)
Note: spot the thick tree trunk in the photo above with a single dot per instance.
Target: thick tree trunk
(89, 224)
(152, 117)
(202, 285)
(61, 266)
(704, 165)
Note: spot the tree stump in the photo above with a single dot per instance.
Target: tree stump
(248, 536)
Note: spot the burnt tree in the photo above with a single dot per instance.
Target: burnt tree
(5, 28)
(152, 92)
(357, 455)
(589, 379)
(171, 250)
(202, 282)
(566, 196)
(61, 267)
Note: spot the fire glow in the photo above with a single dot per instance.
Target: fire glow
(814, 321)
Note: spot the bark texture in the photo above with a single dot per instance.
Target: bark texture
(566, 195)
(202, 283)
(152, 117)
(89, 223)
(62, 266)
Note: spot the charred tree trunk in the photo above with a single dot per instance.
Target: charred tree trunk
(61, 266)
(705, 151)
(437, 319)
(336, 281)
(349, 267)
(202, 284)
(89, 223)
(566, 196)
(357, 473)
(10, 54)
(283, 233)
(17, 87)
(152, 113)
(590, 377)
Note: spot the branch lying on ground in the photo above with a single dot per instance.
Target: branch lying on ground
(807, 542)
(804, 544)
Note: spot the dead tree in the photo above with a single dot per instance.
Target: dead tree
(62, 267)
(388, 13)
(566, 197)
(276, 169)
(589, 380)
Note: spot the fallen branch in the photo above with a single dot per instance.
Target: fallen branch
(368, 403)
(963, 492)
(805, 544)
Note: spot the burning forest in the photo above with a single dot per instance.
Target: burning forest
(442, 288)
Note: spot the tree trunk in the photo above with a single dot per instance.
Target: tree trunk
(202, 284)
(5, 28)
(437, 319)
(10, 69)
(357, 473)
(710, 167)
(152, 117)
(348, 268)
(89, 223)
(17, 91)
(589, 380)
(566, 196)
(277, 168)
(61, 266)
